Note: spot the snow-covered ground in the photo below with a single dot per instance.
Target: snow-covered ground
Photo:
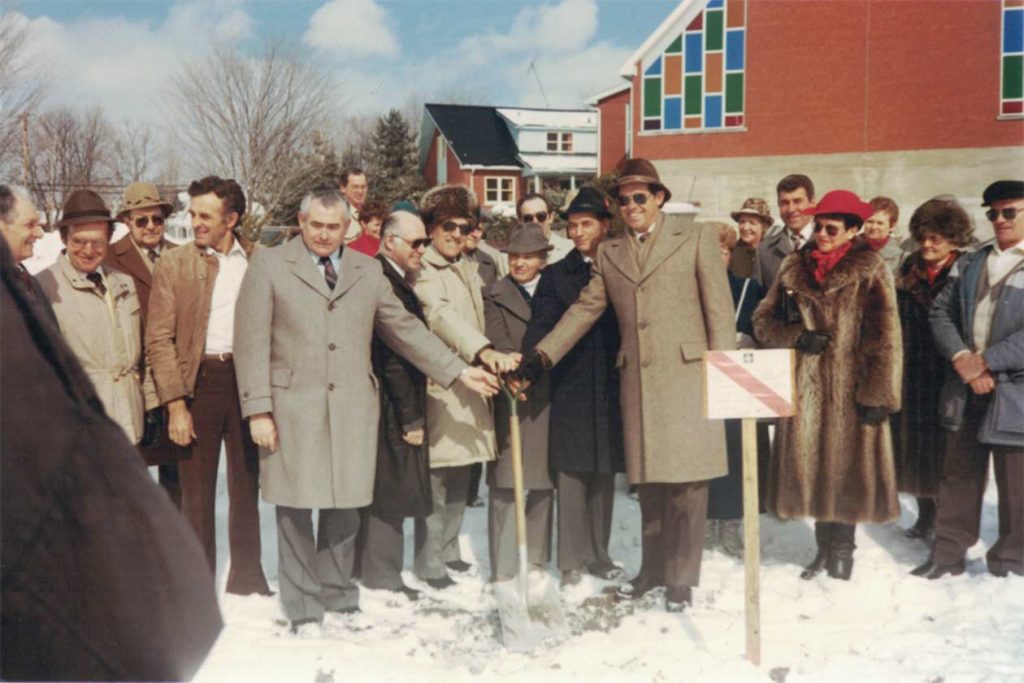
(884, 625)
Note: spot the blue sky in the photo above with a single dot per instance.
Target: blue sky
(384, 52)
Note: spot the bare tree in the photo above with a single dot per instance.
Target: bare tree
(70, 150)
(22, 84)
(250, 118)
(133, 152)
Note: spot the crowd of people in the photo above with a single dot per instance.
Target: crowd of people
(355, 371)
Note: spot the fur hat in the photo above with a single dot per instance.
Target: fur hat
(756, 207)
(449, 201)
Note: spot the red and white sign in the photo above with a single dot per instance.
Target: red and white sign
(748, 383)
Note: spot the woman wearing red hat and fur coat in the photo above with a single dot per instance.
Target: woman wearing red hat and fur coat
(834, 303)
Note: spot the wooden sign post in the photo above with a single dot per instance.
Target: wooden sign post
(749, 384)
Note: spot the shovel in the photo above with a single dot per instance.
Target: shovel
(528, 618)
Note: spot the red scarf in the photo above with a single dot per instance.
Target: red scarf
(826, 262)
(876, 244)
(936, 270)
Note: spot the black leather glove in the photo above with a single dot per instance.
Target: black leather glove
(531, 369)
(872, 415)
(812, 341)
(153, 425)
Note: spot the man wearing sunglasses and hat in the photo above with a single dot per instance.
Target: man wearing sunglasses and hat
(135, 255)
(667, 283)
(976, 322)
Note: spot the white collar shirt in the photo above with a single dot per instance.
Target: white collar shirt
(220, 333)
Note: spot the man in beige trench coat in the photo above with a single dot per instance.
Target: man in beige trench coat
(665, 278)
(304, 321)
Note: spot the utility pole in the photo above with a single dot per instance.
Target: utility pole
(24, 149)
(533, 67)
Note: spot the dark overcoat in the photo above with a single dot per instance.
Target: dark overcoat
(917, 434)
(507, 312)
(585, 433)
(402, 485)
(828, 464)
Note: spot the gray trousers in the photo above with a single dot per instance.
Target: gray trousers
(381, 551)
(437, 536)
(584, 520)
(501, 530)
(315, 575)
(673, 517)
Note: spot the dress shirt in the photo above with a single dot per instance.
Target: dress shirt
(335, 261)
(998, 263)
(530, 286)
(220, 333)
(401, 271)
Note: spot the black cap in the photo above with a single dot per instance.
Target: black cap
(588, 200)
(1003, 189)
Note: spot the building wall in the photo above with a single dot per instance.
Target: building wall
(536, 141)
(909, 177)
(837, 76)
(612, 128)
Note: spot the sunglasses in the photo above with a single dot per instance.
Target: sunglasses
(831, 230)
(1009, 213)
(638, 198)
(452, 226)
(142, 222)
(538, 217)
(421, 243)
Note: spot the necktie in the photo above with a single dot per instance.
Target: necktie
(525, 292)
(330, 274)
(97, 279)
(153, 255)
(643, 237)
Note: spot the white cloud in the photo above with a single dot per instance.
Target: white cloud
(565, 27)
(352, 28)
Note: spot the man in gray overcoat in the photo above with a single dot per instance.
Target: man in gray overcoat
(305, 318)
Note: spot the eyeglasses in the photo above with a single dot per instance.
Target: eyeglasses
(421, 243)
(831, 230)
(142, 222)
(82, 243)
(638, 198)
(1009, 213)
(538, 217)
(452, 226)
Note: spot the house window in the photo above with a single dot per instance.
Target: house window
(1011, 100)
(697, 83)
(560, 142)
(499, 190)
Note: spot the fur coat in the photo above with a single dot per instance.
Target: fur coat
(828, 464)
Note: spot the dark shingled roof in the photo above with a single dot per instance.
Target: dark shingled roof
(477, 135)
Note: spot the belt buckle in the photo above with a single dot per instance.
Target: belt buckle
(224, 356)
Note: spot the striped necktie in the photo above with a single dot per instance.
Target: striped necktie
(330, 274)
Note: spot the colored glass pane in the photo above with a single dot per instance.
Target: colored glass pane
(697, 23)
(1013, 77)
(693, 122)
(713, 30)
(713, 72)
(652, 97)
(652, 124)
(734, 50)
(713, 111)
(673, 113)
(736, 13)
(712, 4)
(693, 92)
(673, 74)
(1016, 107)
(1013, 30)
(694, 53)
(734, 93)
(733, 121)
(676, 47)
(655, 68)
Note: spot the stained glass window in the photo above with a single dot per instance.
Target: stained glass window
(697, 82)
(1011, 101)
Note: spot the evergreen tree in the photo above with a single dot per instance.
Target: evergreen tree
(321, 168)
(394, 160)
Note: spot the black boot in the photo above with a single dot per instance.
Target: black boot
(925, 524)
(840, 558)
(823, 536)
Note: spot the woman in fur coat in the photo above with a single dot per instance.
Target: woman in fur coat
(942, 228)
(834, 303)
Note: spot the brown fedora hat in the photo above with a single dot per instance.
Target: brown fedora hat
(83, 206)
(142, 196)
(641, 171)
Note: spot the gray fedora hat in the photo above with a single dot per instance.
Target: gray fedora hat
(527, 239)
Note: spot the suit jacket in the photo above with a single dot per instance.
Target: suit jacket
(102, 579)
(302, 352)
(486, 268)
(585, 434)
(402, 486)
(124, 256)
(670, 312)
(507, 314)
(770, 254)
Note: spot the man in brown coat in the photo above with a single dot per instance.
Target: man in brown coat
(189, 346)
(667, 283)
(136, 255)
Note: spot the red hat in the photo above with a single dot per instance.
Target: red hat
(842, 202)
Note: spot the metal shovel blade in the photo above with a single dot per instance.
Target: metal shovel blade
(538, 621)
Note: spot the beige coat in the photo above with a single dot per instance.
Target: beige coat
(670, 312)
(459, 421)
(109, 348)
(302, 352)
